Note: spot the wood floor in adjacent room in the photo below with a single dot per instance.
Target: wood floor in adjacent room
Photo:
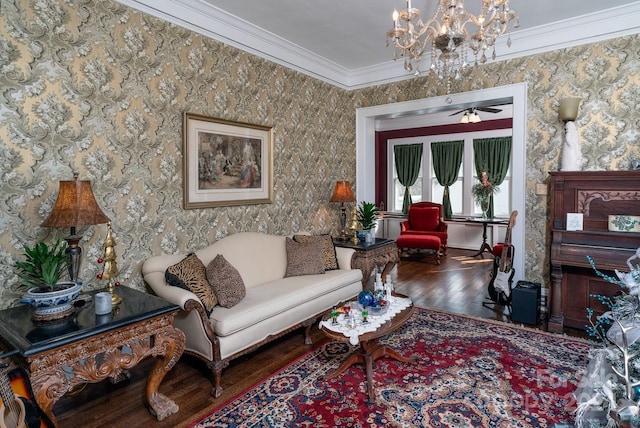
(458, 284)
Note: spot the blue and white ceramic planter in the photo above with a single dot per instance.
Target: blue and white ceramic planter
(366, 236)
(52, 302)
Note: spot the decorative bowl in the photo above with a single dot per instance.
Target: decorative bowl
(51, 303)
(373, 310)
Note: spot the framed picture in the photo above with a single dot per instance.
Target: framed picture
(574, 221)
(226, 163)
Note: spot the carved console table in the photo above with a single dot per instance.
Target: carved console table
(595, 195)
(382, 253)
(88, 348)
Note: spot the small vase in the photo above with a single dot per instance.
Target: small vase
(484, 206)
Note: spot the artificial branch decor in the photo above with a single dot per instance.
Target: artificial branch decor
(609, 393)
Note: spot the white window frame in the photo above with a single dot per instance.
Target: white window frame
(468, 173)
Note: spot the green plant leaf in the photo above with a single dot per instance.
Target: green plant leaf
(366, 214)
(43, 265)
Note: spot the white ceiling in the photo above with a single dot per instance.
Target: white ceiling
(343, 41)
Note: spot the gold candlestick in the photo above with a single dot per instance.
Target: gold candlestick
(354, 225)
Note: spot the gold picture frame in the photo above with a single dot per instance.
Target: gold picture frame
(226, 163)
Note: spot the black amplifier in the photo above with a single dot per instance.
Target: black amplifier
(525, 298)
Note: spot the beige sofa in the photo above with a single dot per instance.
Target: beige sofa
(273, 305)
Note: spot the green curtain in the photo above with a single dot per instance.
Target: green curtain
(447, 158)
(493, 156)
(407, 158)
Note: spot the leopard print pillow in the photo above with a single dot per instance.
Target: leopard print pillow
(225, 281)
(190, 274)
(329, 259)
(304, 259)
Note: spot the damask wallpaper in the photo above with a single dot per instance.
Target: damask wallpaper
(98, 88)
(605, 75)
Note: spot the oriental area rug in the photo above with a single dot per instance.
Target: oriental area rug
(469, 373)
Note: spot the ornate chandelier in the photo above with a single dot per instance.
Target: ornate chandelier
(451, 36)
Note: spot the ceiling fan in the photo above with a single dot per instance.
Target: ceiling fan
(471, 114)
(471, 110)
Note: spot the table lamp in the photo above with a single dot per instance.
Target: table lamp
(76, 206)
(342, 193)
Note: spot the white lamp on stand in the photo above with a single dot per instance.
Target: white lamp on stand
(571, 151)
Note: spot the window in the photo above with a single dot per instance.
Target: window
(419, 191)
(416, 190)
(455, 191)
(427, 187)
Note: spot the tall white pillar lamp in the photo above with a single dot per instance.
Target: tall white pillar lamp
(571, 151)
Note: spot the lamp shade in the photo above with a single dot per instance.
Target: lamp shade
(568, 109)
(342, 192)
(76, 206)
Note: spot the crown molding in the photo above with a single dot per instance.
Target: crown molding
(210, 21)
(594, 27)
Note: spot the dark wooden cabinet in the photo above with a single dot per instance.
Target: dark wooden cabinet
(596, 195)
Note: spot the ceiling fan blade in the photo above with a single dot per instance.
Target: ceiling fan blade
(458, 112)
(489, 109)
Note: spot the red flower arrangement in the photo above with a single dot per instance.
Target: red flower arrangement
(484, 189)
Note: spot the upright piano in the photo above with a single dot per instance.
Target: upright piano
(595, 195)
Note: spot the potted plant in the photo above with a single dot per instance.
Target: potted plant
(366, 214)
(41, 272)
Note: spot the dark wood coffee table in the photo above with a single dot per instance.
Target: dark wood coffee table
(370, 347)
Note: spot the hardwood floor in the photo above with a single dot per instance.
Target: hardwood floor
(458, 285)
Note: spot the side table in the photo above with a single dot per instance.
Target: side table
(382, 252)
(484, 246)
(88, 348)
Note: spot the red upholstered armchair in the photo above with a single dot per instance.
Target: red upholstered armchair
(426, 218)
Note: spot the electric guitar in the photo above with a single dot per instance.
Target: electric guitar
(500, 284)
(19, 408)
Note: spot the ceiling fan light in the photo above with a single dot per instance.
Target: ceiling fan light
(474, 117)
(464, 118)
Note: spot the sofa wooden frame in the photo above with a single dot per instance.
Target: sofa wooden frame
(218, 363)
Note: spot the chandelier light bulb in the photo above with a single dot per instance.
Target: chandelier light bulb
(449, 34)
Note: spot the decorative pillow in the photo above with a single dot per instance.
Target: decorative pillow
(225, 281)
(304, 258)
(190, 274)
(329, 259)
(426, 218)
